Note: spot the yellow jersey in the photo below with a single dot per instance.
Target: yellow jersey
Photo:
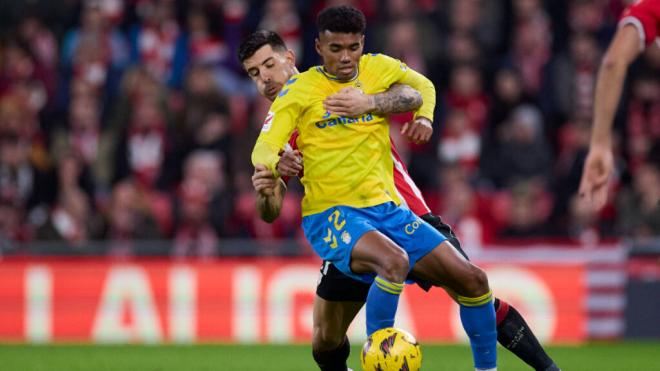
(347, 160)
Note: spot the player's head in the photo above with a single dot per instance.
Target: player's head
(341, 40)
(267, 60)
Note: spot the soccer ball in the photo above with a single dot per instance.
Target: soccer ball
(391, 349)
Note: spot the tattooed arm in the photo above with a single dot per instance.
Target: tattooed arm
(352, 102)
(399, 98)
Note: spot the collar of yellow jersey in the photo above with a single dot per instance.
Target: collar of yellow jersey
(322, 70)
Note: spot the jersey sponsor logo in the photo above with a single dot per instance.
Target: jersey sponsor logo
(342, 120)
(268, 122)
(410, 228)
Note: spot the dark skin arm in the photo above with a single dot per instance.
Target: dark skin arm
(352, 102)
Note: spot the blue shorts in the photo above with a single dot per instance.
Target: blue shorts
(333, 233)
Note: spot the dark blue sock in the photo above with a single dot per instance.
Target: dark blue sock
(478, 319)
(382, 301)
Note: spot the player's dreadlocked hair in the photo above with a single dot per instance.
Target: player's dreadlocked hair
(256, 40)
(343, 18)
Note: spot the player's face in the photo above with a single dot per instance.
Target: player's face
(269, 69)
(341, 53)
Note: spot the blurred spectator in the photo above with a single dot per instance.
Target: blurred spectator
(403, 43)
(461, 207)
(207, 122)
(573, 143)
(281, 16)
(463, 49)
(530, 47)
(21, 181)
(406, 33)
(208, 169)
(582, 224)
(96, 51)
(204, 45)
(21, 76)
(466, 93)
(13, 227)
(129, 219)
(144, 144)
(643, 121)
(43, 47)
(70, 219)
(639, 205)
(249, 222)
(589, 16)
(508, 94)
(528, 210)
(523, 152)
(194, 235)
(460, 142)
(479, 19)
(572, 80)
(157, 41)
(204, 124)
(84, 137)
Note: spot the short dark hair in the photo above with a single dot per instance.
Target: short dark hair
(343, 18)
(256, 40)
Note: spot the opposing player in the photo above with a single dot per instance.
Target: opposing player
(350, 209)
(339, 298)
(638, 29)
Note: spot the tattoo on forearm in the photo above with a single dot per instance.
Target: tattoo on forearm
(398, 99)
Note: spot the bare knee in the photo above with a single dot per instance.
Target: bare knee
(475, 283)
(394, 265)
(325, 338)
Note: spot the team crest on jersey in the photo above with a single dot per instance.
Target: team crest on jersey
(346, 237)
(268, 122)
(358, 84)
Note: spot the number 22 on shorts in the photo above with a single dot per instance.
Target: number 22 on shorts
(334, 218)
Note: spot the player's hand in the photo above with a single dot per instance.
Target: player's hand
(349, 102)
(263, 180)
(598, 167)
(290, 163)
(418, 131)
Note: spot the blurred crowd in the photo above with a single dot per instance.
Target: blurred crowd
(127, 120)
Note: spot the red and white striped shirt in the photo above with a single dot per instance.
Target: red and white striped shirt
(645, 16)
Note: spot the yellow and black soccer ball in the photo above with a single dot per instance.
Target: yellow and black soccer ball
(391, 349)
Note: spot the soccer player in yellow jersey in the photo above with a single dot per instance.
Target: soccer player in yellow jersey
(350, 210)
(270, 65)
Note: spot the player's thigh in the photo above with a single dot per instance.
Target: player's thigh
(335, 232)
(436, 222)
(375, 252)
(445, 266)
(331, 321)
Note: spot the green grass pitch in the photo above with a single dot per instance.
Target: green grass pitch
(597, 357)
